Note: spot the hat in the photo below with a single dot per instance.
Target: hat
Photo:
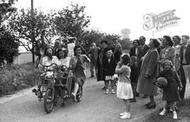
(168, 62)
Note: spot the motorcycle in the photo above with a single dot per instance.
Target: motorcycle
(58, 83)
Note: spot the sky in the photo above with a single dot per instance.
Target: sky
(112, 16)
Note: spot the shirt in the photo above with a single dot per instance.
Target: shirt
(124, 73)
(46, 61)
(64, 61)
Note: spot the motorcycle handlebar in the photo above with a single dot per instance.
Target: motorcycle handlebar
(45, 67)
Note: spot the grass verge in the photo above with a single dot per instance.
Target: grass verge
(16, 77)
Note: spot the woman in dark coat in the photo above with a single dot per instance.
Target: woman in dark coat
(134, 50)
(101, 55)
(148, 73)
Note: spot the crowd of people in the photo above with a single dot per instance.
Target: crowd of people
(139, 70)
(135, 73)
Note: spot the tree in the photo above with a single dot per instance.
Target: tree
(111, 39)
(126, 43)
(6, 10)
(69, 22)
(72, 21)
(8, 44)
(20, 24)
(91, 36)
(95, 36)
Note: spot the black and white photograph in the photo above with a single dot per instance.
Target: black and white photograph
(94, 61)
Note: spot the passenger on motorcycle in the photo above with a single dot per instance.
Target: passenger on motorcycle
(63, 59)
(77, 64)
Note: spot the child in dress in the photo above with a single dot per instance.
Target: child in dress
(109, 65)
(171, 90)
(124, 88)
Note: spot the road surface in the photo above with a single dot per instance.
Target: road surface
(94, 107)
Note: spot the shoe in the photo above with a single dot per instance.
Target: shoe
(133, 100)
(35, 91)
(147, 104)
(174, 115)
(163, 112)
(123, 113)
(107, 91)
(104, 88)
(113, 91)
(151, 106)
(126, 116)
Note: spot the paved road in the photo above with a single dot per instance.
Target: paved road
(95, 107)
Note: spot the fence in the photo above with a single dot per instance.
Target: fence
(24, 57)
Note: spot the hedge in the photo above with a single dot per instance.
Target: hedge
(16, 77)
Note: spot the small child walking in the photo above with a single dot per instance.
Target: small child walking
(124, 88)
(109, 65)
(171, 90)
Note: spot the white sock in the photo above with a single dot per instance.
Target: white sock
(163, 112)
(174, 115)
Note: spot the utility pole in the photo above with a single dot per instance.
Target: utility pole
(32, 29)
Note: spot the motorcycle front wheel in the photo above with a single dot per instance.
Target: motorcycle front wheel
(49, 100)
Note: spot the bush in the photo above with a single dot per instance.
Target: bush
(126, 44)
(8, 46)
(17, 77)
